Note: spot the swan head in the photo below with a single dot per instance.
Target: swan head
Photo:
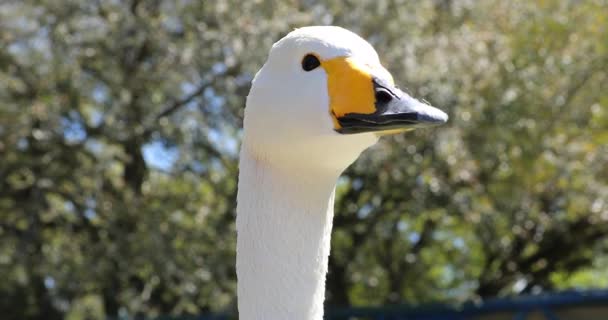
(323, 97)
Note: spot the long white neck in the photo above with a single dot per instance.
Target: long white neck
(284, 220)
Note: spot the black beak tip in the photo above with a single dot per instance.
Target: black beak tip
(434, 119)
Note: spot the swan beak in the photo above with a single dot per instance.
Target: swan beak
(395, 111)
(362, 102)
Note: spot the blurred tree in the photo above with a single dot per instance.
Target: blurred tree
(511, 197)
(119, 129)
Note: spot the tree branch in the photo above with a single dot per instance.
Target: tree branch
(178, 104)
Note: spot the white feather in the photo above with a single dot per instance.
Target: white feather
(290, 160)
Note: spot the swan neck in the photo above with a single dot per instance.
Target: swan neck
(284, 220)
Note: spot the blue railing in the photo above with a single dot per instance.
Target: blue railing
(519, 308)
(548, 306)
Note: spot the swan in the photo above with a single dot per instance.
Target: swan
(321, 98)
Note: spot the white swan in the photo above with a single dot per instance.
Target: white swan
(321, 98)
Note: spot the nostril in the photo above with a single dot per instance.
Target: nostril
(383, 96)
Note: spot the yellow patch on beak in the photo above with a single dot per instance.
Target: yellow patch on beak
(364, 98)
(350, 87)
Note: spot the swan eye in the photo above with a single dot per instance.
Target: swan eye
(310, 62)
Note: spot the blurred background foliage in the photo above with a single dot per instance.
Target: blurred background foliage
(120, 125)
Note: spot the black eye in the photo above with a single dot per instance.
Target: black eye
(310, 62)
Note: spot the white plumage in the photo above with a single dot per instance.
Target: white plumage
(290, 160)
